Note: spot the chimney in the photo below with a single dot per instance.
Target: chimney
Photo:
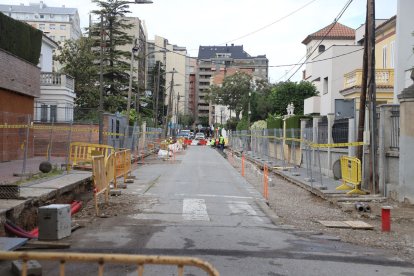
(41, 5)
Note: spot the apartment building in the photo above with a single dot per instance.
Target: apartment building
(214, 59)
(174, 58)
(58, 23)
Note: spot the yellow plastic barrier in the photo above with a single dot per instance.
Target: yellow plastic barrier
(101, 259)
(351, 174)
(122, 165)
(83, 152)
(100, 180)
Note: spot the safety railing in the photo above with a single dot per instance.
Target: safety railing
(83, 152)
(101, 259)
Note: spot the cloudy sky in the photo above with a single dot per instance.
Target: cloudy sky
(270, 27)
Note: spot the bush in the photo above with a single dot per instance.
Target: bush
(261, 124)
(20, 39)
(243, 125)
(232, 124)
(274, 121)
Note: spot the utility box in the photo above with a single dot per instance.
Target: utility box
(54, 222)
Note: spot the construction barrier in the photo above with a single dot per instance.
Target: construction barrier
(83, 152)
(100, 179)
(122, 166)
(351, 174)
(101, 259)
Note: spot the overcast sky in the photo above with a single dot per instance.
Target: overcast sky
(191, 23)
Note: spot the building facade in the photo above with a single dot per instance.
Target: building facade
(174, 58)
(58, 23)
(212, 59)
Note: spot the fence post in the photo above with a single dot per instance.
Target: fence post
(49, 147)
(331, 121)
(68, 147)
(351, 136)
(26, 143)
(316, 120)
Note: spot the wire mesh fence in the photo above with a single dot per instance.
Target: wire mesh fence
(25, 143)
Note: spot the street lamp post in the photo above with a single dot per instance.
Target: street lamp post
(101, 92)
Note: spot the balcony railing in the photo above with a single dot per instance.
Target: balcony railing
(383, 77)
(56, 79)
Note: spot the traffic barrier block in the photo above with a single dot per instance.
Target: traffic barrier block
(33, 268)
(115, 192)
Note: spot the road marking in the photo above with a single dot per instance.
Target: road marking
(223, 196)
(195, 209)
(244, 208)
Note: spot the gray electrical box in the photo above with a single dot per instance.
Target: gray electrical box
(54, 222)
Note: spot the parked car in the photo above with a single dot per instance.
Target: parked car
(184, 133)
(200, 136)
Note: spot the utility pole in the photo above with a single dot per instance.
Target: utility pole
(133, 50)
(363, 95)
(169, 108)
(157, 95)
(372, 97)
(101, 86)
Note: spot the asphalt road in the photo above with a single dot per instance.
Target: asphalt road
(200, 206)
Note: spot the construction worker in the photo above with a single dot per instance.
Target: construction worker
(221, 142)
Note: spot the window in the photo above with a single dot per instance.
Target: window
(63, 27)
(52, 27)
(43, 113)
(53, 113)
(392, 54)
(325, 86)
(41, 26)
(321, 48)
(384, 57)
(42, 16)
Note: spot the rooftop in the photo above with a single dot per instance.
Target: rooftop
(230, 51)
(338, 32)
(39, 8)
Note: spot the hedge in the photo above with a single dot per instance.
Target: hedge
(293, 122)
(274, 122)
(20, 39)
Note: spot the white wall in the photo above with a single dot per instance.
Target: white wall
(327, 43)
(404, 45)
(46, 60)
(335, 69)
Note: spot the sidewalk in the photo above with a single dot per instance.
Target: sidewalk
(35, 194)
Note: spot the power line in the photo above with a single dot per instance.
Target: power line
(326, 34)
(270, 24)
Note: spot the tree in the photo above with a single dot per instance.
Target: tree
(290, 92)
(116, 69)
(79, 62)
(234, 92)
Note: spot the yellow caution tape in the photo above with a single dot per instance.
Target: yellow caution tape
(337, 145)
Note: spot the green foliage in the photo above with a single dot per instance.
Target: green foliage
(234, 92)
(242, 125)
(117, 61)
(290, 92)
(203, 120)
(293, 128)
(79, 62)
(232, 124)
(20, 39)
(186, 120)
(157, 86)
(274, 122)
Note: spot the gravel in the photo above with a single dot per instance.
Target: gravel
(298, 207)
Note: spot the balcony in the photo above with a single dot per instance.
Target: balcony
(56, 79)
(383, 78)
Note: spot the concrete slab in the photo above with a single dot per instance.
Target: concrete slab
(8, 204)
(10, 244)
(34, 192)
